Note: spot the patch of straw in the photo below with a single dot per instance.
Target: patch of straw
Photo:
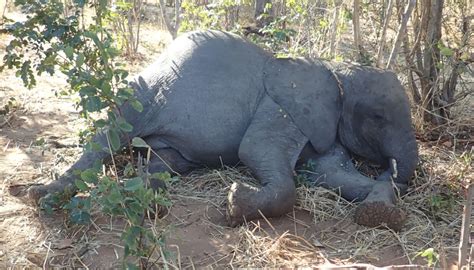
(323, 204)
(258, 248)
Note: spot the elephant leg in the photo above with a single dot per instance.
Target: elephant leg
(65, 184)
(168, 160)
(335, 170)
(270, 148)
(379, 208)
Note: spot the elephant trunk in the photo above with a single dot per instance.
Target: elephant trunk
(402, 163)
(402, 160)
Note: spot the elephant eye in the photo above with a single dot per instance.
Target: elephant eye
(378, 116)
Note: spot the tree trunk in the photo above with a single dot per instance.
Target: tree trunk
(447, 95)
(431, 56)
(410, 67)
(401, 31)
(333, 30)
(137, 11)
(172, 27)
(262, 18)
(386, 22)
(356, 28)
(4, 5)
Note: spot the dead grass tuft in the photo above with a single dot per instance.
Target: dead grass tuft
(210, 185)
(323, 204)
(258, 248)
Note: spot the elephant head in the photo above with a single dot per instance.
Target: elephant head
(375, 122)
(366, 109)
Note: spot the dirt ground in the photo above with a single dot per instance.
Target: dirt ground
(39, 140)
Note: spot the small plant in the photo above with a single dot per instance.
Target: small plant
(10, 106)
(430, 255)
(221, 15)
(302, 178)
(277, 38)
(125, 18)
(199, 17)
(440, 203)
(129, 198)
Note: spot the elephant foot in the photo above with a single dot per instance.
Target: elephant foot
(379, 208)
(374, 214)
(241, 205)
(246, 202)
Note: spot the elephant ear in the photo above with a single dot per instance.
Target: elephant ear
(308, 91)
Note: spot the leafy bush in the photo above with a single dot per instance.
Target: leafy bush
(52, 40)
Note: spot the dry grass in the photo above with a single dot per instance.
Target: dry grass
(258, 248)
(434, 206)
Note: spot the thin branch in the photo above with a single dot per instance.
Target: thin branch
(386, 22)
(172, 29)
(401, 31)
(465, 228)
(7, 121)
(333, 30)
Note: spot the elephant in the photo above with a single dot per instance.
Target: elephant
(214, 98)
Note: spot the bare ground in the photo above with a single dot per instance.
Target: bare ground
(38, 141)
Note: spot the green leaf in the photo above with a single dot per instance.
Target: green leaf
(111, 116)
(80, 59)
(93, 104)
(106, 88)
(69, 51)
(430, 255)
(95, 146)
(446, 51)
(114, 196)
(100, 123)
(80, 208)
(162, 200)
(88, 90)
(139, 142)
(80, 3)
(80, 217)
(163, 176)
(124, 74)
(128, 170)
(136, 105)
(81, 185)
(114, 139)
(133, 184)
(89, 176)
(135, 207)
(123, 125)
(113, 51)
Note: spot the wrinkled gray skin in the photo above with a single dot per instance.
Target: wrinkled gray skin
(213, 98)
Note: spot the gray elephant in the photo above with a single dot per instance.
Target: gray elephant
(213, 98)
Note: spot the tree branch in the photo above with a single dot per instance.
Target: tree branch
(386, 22)
(401, 31)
